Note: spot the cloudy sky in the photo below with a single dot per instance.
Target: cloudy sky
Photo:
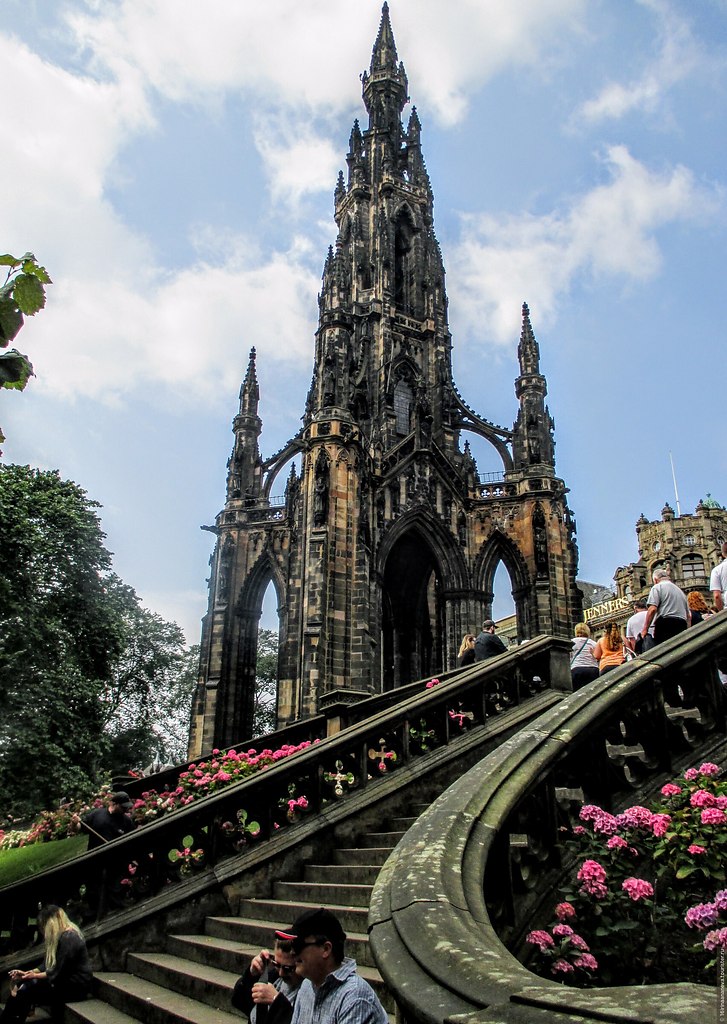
(172, 164)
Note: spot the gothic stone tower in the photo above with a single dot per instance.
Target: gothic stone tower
(384, 550)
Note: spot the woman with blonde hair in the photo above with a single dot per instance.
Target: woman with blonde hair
(609, 651)
(66, 975)
(466, 655)
(583, 666)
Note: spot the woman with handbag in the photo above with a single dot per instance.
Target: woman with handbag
(583, 666)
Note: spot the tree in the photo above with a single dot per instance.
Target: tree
(22, 294)
(266, 683)
(81, 662)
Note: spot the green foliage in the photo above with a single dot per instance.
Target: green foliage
(21, 295)
(266, 683)
(80, 660)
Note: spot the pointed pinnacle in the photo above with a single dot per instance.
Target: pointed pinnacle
(384, 53)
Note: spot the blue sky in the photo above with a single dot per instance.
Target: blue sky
(173, 164)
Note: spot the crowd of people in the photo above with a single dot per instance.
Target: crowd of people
(666, 612)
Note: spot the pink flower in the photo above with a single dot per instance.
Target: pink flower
(562, 967)
(660, 823)
(431, 683)
(587, 961)
(703, 915)
(720, 900)
(578, 830)
(591, 870)
(593, 876)
(702, 798)
(637, 888)
(696, 849)
(562, 930)
(578, 942)
(715, 940)
(616, 843)
(670, 789)
(713, 816)
(636, 817)
(542, 939)
(565, 911)
(709, 769)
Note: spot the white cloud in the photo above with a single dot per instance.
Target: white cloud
(296, 160)
(610, 230)
(678, 56)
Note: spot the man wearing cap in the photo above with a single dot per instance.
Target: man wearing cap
(332, 992)
(488, 644)
(267, 990)
(105, 824)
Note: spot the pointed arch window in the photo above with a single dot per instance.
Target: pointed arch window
(403, 399)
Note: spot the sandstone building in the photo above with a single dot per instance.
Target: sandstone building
(384, 548)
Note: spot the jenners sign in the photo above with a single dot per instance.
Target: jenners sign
(605, 608)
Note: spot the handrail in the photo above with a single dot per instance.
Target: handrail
(460, 890)
(381, 745)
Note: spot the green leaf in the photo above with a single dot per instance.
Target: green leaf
(9, 261)
(685, 871)
(31, 267)
(15, 370)
(11, 319)
(29, 293)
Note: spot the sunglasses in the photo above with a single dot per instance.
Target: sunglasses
(298, 947)
(283, 968)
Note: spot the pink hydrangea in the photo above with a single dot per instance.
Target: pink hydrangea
(587, 961)
(562, 967)
(593, 877)
(713, 816)
(543, 940)
(562, 930)
(431, 683)
(636, 817)
(565, 911)
(670, 789)
(660, 824)
(616, 843)
(637, 888)
(702, 798)
(696, 849)
(702, 916)
(715, 940)
(578, 830)
(720, 900)
(709, 769)
(579, 943)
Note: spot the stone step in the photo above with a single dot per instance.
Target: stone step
(248, 931)
(201, 981)
(360, 855)
(144, 1001)
(342, 874)
(382, 839)
(208, 949)
(93, 1011)
(268, 914)
(402, 824)
(323, 893)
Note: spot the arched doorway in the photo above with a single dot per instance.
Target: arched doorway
(412, 613)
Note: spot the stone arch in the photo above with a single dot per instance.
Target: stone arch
(405, 230)
(235, 711)
(417, 563)
(499, 548)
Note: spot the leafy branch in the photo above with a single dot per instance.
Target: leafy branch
(22, 294)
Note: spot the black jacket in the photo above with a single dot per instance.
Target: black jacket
(487, 645)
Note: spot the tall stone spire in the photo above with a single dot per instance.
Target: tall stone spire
(243, 467)
(533, 444)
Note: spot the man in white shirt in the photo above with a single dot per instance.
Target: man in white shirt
(718, 581)
(668, 608)
(634, 627)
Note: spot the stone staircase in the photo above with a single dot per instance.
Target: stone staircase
(192, 981)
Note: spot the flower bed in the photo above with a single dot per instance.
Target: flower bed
(643, 905)
(197, 781)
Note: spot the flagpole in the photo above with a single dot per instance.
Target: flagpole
(674, 478)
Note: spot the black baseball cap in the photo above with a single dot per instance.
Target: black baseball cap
(314, 922)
